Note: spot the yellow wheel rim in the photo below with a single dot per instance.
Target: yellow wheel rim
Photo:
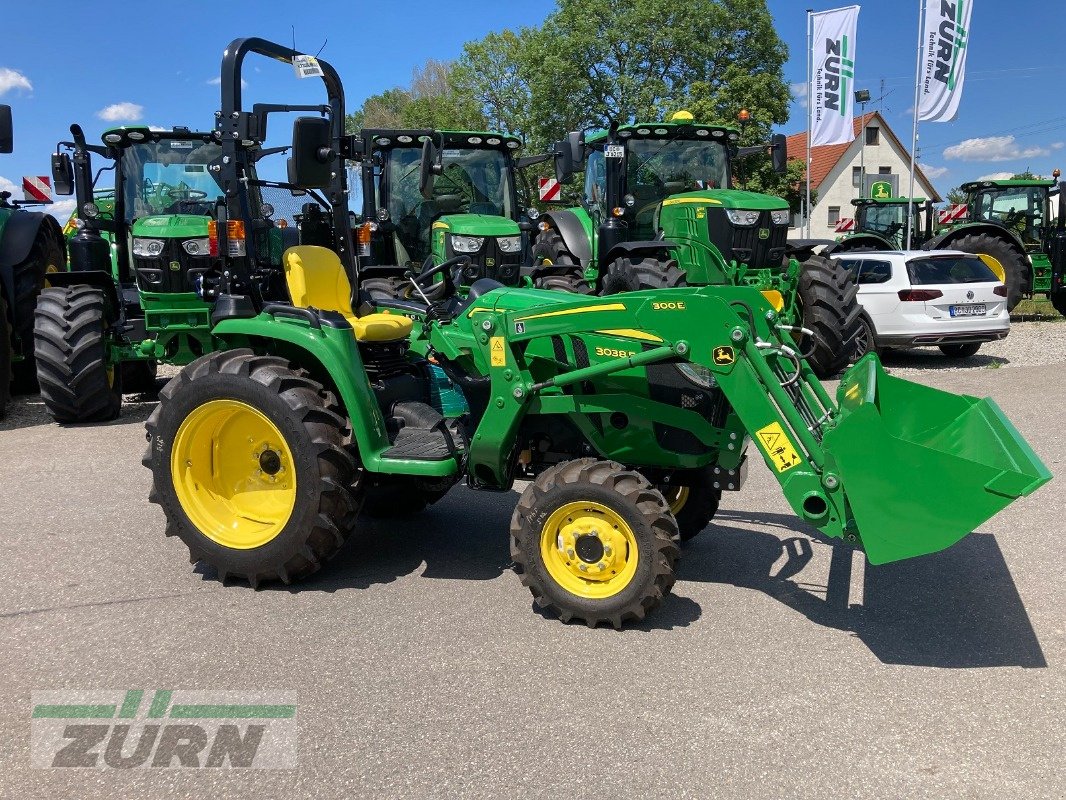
(676, 497)
(51, 269)
(589, 550)
(233, 474)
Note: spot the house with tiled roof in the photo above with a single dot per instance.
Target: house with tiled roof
(836, 172)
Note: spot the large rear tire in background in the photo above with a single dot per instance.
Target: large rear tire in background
(249, 463)
(70, 342)
(387, 288)
(556, 268)
(1015, 263)
(636, 273)
(594, 542)
(1059, 302)
(830, 309)
(46, 256)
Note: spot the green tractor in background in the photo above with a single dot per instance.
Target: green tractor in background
(659, 212)
(881, 224)
(31, 249)
(429, 196)
(1013, 222)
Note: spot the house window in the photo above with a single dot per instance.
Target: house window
(834, 215)
(873, 135)
(884, 170)
(856, 176)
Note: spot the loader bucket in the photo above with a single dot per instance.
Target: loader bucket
(920, 467)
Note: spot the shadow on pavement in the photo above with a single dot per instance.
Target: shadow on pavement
(930, 358)
(957, 608)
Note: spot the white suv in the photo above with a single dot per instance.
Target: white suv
(939, 298)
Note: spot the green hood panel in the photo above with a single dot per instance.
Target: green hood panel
(479, 225)
(730, 198)
(172, 226)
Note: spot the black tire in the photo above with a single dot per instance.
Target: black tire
(387, 288)
(1058, 300)
(960, 350)
(46, 255)
(693, 500)
(71, 346)
(629, 496)
(139, 377)
(6, 357)
(636, 273)
(827, 297)
(556, 268)
(1015, 263)
(327, 505)
(866, 338)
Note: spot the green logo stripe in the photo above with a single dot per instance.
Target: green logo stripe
(232, 712)
(159, 704)
(844, 75)
(75, 712)
(960, 43)
(131, 703)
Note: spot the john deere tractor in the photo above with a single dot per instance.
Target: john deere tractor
(31, 247)
(438, 194)
(881, 224)
(146, 259)
(659, 212)
(261, 453)
(1012, 221)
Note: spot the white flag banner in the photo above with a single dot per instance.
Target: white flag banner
(833, 76)
(944, 38)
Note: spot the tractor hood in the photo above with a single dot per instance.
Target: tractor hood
(730, 198)
(172, 226)
(477, 225)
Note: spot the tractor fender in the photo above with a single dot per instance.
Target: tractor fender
(943, 241)
(573, 232)
(96, 278)
(19, 234)
(802, 249)
(655, 247)
(859, 240)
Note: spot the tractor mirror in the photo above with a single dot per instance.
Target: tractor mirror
(779, 153)
(6, 131)
(311, 165)
(564, 164)
(429, 169)
(62, 174)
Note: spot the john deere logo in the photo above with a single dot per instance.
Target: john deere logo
(950, 42)
(881, 190)
(838, 68)
(724, 356)
(764, 233)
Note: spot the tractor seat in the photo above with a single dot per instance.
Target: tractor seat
(316, 279)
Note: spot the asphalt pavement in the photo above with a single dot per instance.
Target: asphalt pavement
(781, 666)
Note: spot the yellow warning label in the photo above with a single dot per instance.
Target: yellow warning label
(778, 447)
(497, 351)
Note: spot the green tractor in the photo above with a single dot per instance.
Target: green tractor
(628, 414)
(658, 212)
(1013, 222)
(881, 224)
(436, 195)
(31, 249)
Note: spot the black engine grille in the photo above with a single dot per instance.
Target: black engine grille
(173, 270)
(756, 246)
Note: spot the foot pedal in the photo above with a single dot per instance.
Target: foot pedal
(420, 444)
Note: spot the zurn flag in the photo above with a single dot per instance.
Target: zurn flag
(944, 39)
(833, 76)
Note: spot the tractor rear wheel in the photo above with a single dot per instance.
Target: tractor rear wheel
(6, 357)
(1015, 263)
(46, 256)
(1058, 300)
(693, 500)
(70, 341)
(594, 542)
(555, 267)
(386, 288)
(249, 463)
(636, 273)
(830, 309)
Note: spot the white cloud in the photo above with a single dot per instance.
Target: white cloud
(8, 186)
(121, 112)
(62, 209)
(997, 176)
(1058, 145)
(217, 81)
(13, 79)
(992, 148)
(932, 173)
(799, 92)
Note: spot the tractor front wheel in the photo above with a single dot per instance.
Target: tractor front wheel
(1058, 300)
(1015, 263)
(555, 267)
(594, 542)
(636, 273)
(71, 343)
(249, 463)
(30, 277)
(693, 500)
(831, 311)
(386, 288)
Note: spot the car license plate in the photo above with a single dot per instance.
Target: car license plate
(975, 310)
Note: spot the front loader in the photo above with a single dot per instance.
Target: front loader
(262, 452)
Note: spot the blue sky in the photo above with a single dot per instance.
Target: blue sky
(61, 63)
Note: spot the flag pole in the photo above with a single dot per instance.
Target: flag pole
(810, 98)
(914, 126)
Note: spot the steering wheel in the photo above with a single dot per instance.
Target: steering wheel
(186, 194)
(445, 268)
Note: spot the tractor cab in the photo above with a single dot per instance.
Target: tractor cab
(1021, 206)
(885, 220)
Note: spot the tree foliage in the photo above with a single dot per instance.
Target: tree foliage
(432, 100)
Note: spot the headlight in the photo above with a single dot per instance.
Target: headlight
(147, 247)
(467, 244)
(510, 244)
(90, 210)
(197, 247)
(741, 217)
(694, 373)
(781, 216)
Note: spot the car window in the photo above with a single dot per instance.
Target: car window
(960, 269)
(867, 271)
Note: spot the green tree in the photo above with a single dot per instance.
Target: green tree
(385, 110)
(956, 196)
(430, 101)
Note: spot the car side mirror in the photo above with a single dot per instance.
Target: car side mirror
(779, 153)
(62, 174)
(312, 161)
(6, 131)
(428, 169)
